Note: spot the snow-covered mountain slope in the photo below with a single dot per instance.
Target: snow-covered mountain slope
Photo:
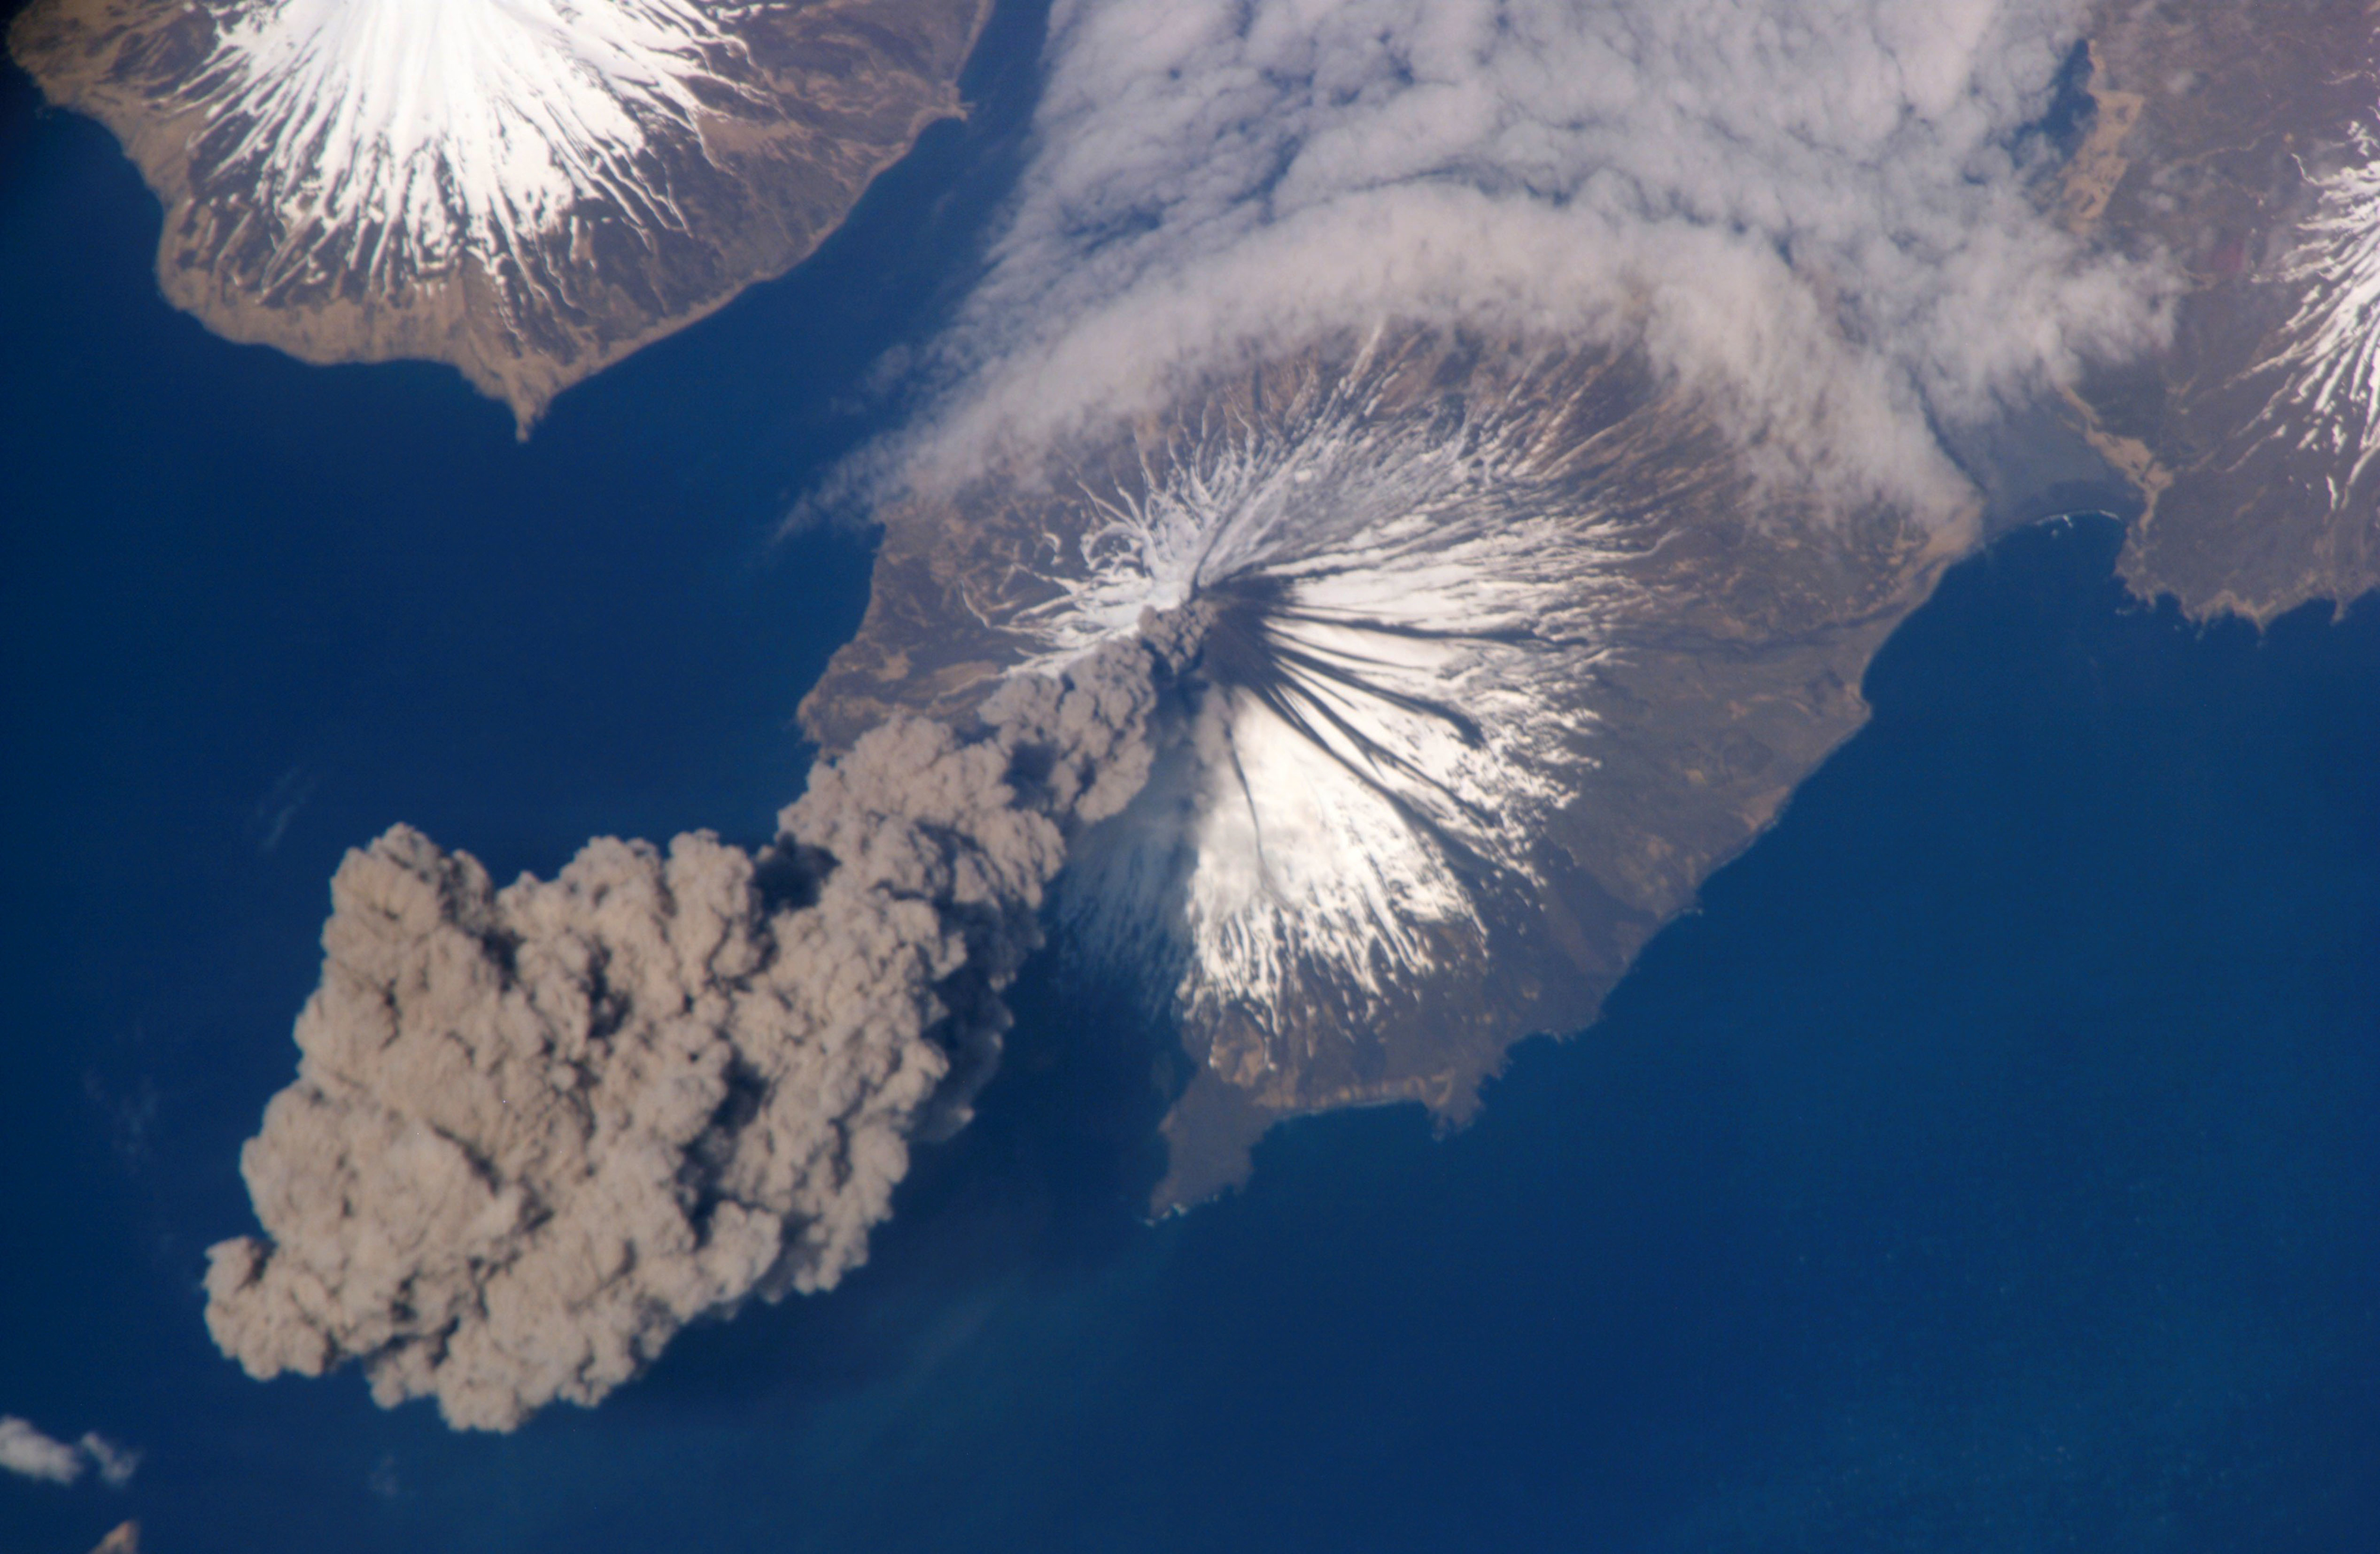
(1401, 616)
(527, 188)
(390, 137)
(2329, 351)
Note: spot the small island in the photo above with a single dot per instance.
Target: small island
(526, 192)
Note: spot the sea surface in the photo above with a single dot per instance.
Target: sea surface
(1992, 1163)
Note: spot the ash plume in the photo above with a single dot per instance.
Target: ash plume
(537, 1130)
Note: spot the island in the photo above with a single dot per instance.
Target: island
(524, 189)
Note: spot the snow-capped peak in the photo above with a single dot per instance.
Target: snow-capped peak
(394, 134)
(1400, 609)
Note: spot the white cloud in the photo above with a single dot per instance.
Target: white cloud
(116, 1464)
(29, 1453)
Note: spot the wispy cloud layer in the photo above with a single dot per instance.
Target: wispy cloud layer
(1820, 211)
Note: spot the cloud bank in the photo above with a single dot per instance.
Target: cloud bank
(538, 1130)
(29, 1453)
(1819, 211)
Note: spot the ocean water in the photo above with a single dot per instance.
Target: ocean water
(1992, 1163)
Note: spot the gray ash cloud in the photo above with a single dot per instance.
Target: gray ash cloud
(538, 1130)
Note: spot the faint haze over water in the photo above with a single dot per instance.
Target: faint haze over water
(1989, 1165)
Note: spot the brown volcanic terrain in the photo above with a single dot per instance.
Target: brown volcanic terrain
(825, 95)
(2213, 123)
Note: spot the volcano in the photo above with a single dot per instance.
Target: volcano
(528, 189)
(1490, 650)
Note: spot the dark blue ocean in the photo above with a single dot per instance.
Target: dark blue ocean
(1993, 1163)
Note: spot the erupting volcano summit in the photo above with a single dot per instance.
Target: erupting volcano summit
(528, 189)
(1492, 650)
